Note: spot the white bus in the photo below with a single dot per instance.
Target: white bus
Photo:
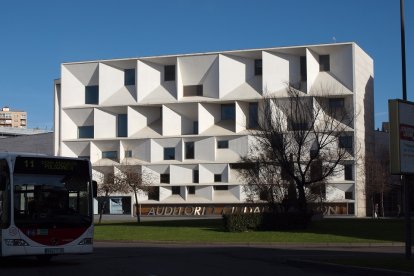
(45, 205)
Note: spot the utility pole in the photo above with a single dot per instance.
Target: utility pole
(405, 179)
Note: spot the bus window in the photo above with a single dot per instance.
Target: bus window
(4, 194)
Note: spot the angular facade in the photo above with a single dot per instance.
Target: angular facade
(186, 119)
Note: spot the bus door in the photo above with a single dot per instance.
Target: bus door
(4, 198)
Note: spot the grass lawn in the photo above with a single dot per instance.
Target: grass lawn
(324, 231)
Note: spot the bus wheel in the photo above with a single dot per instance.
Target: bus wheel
(44, 258)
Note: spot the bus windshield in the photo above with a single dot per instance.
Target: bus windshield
(52, 200)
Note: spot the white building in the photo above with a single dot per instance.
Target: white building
(185, 118)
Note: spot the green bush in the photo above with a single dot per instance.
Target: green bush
(241, 222)
(266, 221)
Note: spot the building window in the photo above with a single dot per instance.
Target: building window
(113, 155)
(324, 63)
(84, 157)
(128, 153)
(189, 150)
(165, 178)
(348, 172)
(175, 190)
(349, 195)
(129, 77)
(195, 176)
(122, 125)
(223, 144)
(195, 127)
(345, 142)
(92, 94)
(85, 131)
(154, 193)
(169, 73)
(217, 177)
(253, 116)
(169, 153)
(228, 112)
(303, 73)
(191, 190)
(336, 103)
(258, 67)
(221, 188)
(193, 90)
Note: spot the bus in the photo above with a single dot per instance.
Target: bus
(45, 205)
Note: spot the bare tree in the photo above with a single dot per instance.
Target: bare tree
(378, 179)
(109, 184)
(136, 181)
(300, 138)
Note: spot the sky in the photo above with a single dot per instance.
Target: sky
(37, 36)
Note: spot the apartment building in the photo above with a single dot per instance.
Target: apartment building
(10, 118)
(186, 120)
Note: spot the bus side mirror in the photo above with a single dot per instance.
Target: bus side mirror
(94, 189)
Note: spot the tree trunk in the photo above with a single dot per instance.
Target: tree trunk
(102, 208)
(302, 199)
(137, 208)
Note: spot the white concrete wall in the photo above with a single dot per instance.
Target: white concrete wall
(149, 78)
(234, 71)
(208, 116)
(312, 66)
(205, 192)
(111, 79)
(181, 174)
(205, 149)
(171, 125)
(105, 124)
(242, 113)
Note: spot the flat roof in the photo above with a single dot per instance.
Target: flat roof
(214, 53)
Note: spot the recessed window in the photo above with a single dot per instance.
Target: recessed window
(195, 176)
(85, 131)
(336, 103)
(217, 178)
(175, 190)
(228, 112)
(223, 144)
(349, 195)
(348, 172)
(221, 188)
(191, 190)
(92, 94)
(154, 193)
(253, 116)
(169, 73)
(193, 90)
(113, 155)
(258, 67)
(303, 73)
(165, 178)
(345, 142)
(128, 153)
(195, 127)
(129, 77)
(169, 153)
(189, 150)
(324, 63)
(122, 130)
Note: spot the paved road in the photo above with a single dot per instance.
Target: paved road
(178, 259)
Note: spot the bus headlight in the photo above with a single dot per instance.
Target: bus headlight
(16, 242)
(86, 241)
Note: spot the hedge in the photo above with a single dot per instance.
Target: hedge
(266, 221)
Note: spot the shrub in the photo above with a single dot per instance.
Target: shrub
(241, 222)
(266, 221)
